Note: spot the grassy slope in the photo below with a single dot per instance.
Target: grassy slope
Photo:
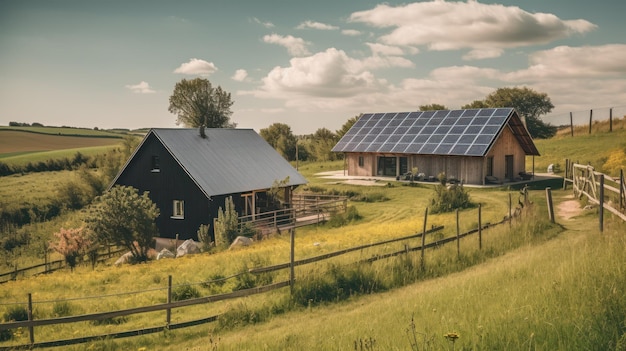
(549, 297)
(583, 147)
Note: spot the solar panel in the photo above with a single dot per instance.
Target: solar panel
(458, 132)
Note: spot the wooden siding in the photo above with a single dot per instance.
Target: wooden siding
(506, 144)
(469, 169)
(168, 184)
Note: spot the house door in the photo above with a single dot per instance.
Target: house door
(508, 167)
(386, 166)
(404, 165)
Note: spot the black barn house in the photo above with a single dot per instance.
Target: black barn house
(189, 175)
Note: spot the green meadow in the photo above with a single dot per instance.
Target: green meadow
(534, 285)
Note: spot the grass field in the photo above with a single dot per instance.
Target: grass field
(536, 286)
(593, 149)
(65, 131)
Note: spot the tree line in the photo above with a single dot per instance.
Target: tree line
(197, 103)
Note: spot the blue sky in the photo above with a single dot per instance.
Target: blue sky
(309, 64)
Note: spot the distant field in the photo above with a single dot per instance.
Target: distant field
(68, 131)
(25, 157)
(12, 142)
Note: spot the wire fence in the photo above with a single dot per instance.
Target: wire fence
(171, 305)
(587, 118)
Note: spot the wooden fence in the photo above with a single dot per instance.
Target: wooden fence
(305, 209)
(31, 323)
(586, 181)
(50, 266)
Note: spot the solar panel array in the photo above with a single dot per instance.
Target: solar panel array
(455, 132)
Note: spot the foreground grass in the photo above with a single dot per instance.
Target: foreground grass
(564, 294)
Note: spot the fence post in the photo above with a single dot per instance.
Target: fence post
(292, 277)
(168, 315)
(611, 119)
(480, 228)
(31, 329)
(424, 237)
(601, 198)
(510, 214)
(549, 199)
(590, 118)
(458, 239)
(621, 189)
(566, 170)
(571, 124)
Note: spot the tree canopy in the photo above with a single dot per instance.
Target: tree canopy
(322, 141)
(528, 103)
(123, 217)
(197, 103)
(281, 138)
(432, 107)
(346, 127)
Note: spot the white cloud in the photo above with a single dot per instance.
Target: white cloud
(141, 88)
(604, 61)
(479, 54)
(240, 75)
(264, 24)
(316, 25)
(330, 73)
(196, 67)
(381, 49)
(351, 32)
(442, 25)
(295, 46)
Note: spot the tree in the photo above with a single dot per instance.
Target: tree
(123, 217)
(72, 244)
(346, 127)
(432, 107)
(322, 142)
(529, 104)
(281, 138)
(475, 104)
(197, 104)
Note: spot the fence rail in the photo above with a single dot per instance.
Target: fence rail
(305, 209)
(586, 181)
(32, 322)
(49, 266)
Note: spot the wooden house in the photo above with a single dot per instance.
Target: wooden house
(190, 173)
(475, 146)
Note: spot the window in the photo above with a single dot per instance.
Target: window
(361, 161)
(489, 166)
(179, 209)
(155, 164)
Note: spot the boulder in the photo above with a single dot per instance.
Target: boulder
(125, 258)
(165, 253)
(241, 241)
(187, 248)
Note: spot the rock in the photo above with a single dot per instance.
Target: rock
(187, 248)
(125, 258)
(165, 253)
(241, 241)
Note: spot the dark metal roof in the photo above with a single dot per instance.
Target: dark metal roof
(227, 161)
(469, 132)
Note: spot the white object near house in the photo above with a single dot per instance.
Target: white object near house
(551, 168)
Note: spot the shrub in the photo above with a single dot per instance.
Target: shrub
(205, 237)
(62, 309)
(72, 244)
(341, 219)
(14, 314)
(226, 224)
(449, 198)
(184, 292)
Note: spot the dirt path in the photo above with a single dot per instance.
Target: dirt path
(569, 208)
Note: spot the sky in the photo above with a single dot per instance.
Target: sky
(308, 64)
